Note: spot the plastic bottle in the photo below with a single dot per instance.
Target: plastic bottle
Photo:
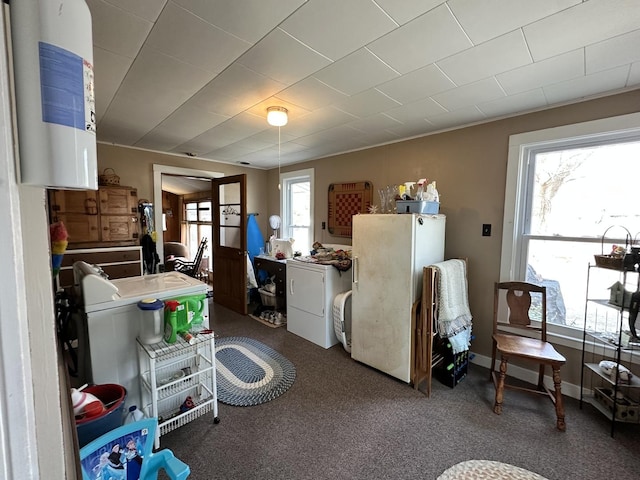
(134, 415)
(170, 320)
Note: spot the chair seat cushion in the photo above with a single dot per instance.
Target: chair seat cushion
(528, 348)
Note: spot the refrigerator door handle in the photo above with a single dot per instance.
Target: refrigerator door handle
(354, 272)
(291, 286)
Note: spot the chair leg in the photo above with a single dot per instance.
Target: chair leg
(497, 407)
(493, 361)
(557, 382)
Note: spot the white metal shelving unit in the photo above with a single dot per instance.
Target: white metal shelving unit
(605, 338)
(178, 381)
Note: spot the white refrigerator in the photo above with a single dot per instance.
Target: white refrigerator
(389, 252)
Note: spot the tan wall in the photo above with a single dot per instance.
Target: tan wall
(135, 169)
(469, 166)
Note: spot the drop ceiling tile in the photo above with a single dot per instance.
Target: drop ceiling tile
(338, 134)
(427, 39)
(282, 58)
(413, 130)
(147, 9)
(245, 85)
(490, 58)
(117, 31)
(311, 93)
(367, 103)
(181, 34)
(546, 72)
(356, 72)
(407, 10)
(210, 100)
(109, 71)
(463, 116)
(374, 123)
(182, 125)
(593, 84)
(418, 84)
(154, 76)
(247, 19)
(204, 143)
(634, 75)
(470, 94)
(592, 22)
(486, 20)
(520, 102)
(611, 53)
(416, 111)
(318, 120)
(230, 152)
(353, 24)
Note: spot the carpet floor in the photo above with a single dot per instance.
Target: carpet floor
(341, 419)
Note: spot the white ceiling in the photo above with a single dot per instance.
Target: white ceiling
(198, 75)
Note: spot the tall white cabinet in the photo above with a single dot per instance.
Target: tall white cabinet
(389, 253)
(311, 289)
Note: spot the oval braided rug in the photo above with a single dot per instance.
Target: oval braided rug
(249, 372)
(487, 470)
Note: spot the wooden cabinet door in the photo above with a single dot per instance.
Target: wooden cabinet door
(73, 201)
(80, 227)
(119, 228)
(118, 201)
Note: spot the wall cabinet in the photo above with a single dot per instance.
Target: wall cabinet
(274, 268)
(104, 218)
(607, 338)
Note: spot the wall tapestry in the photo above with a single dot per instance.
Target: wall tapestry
(345, 201)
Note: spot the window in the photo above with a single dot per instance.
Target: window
(296, 200)
(198, 223)
(565, 187)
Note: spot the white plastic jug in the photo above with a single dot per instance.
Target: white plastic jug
(133, 415)
(151, 320)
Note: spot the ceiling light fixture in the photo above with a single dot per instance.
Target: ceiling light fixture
(277, 116)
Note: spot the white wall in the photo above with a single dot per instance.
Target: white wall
(32, 439)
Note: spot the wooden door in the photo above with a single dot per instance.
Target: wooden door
(73, 201)
(230, 242)
(80, 227)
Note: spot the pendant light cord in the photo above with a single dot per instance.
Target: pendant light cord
(279, 158)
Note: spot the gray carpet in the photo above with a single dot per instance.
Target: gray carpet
(343, 420)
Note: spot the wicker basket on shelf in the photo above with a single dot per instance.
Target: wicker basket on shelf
(613, 261)
(108, 178)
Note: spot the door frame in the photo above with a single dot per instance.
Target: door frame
(158, 170)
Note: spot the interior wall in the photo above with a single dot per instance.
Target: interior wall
(135, 169)
(469, 166)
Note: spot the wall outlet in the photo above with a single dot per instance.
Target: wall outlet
(486, 229)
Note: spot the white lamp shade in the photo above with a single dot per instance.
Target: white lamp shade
(277, 116)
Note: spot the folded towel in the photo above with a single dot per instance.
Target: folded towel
(454, 315)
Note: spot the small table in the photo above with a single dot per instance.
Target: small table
(274, 268)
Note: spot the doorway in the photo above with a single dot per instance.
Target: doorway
(175, 178)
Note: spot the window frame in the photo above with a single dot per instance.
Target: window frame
(286, 179)
(521, 149)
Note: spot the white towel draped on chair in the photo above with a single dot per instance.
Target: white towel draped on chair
(454, 316)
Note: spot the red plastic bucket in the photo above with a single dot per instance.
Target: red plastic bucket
(113, 397)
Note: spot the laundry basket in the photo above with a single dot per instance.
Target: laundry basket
(342, 319)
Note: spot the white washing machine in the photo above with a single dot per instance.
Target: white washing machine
(113, 320)
(311, 289)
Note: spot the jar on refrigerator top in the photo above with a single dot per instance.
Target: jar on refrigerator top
(151, 320)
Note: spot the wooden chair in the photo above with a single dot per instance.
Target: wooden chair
(192, 268)
(511, 345)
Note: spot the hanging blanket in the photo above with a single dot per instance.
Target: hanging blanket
(454, 316)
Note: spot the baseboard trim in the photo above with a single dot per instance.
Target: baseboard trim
(530, 376)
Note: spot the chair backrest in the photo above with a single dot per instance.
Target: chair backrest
(199, 254)
(123, 453)
(511, 307)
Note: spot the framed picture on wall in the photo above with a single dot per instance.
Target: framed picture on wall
(345, 201)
